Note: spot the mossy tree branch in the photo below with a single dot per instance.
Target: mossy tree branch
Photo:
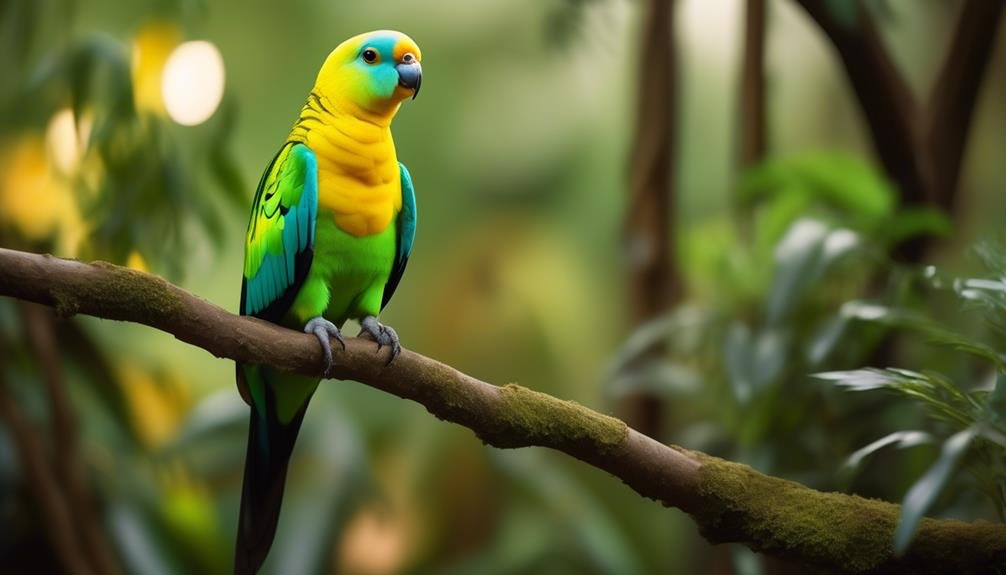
(730, 502)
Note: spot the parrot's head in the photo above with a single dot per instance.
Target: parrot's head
(372, 73)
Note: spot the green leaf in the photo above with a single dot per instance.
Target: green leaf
(937, 334)
(753, 361)
(804, 254)
(682, 320)
(211, 438)
(925, 491)
(866, 379)
(899, 439)
(993, 435)
(911, 222)
(139, 541)
(777, 217)
(935, 392)
(997, 399)
(840, 181)
(993, 256)
(658, 376)
(825, 338)
(797, 265)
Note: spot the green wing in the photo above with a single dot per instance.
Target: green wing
(279, 245)
(405, 235)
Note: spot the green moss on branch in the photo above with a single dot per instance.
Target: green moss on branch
(840, 532)
(528, 417)
(122, 294)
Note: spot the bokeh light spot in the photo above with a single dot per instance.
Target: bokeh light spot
(193, 82)
(64, 142)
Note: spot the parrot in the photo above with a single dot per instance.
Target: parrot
(332, 227)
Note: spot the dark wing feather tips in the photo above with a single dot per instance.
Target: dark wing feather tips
(406, 235)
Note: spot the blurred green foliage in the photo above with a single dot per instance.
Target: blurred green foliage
(771, 306)
(768, 310)
(139, 187)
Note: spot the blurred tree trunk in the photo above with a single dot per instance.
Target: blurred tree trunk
(751, 127)
(68, 466)
(752, 106)
(654, 285)
(921, 149)
(41, 482)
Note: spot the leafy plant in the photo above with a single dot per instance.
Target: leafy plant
(971, 417)
(767, 306)
(767, 303)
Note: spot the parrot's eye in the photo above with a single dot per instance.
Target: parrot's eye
(370, 55)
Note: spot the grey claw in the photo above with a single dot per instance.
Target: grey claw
(382, 334)
(323, 330)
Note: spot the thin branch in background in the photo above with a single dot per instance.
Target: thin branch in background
(728, 501)
(952, 103)
(884, 97)
(67, 462)
(42, 482)
(752, 105)
(654, 282)
(922, 151)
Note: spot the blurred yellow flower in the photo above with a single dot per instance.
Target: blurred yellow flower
(152, 45)
(137, 262)
(33, 202)
(156, 407)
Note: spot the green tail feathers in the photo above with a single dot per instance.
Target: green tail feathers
(270, 443)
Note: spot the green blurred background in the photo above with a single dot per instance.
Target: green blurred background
(520, 148)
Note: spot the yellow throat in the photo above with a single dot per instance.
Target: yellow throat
(358, 175)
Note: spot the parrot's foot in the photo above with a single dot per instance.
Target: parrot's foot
(323, 330)
(382, 334)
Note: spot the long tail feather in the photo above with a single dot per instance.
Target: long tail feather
(270, 443)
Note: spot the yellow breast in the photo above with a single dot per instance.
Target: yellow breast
(359, 181)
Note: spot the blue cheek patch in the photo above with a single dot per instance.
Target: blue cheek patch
(382, 78)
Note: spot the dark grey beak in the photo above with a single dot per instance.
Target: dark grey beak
(410, 75)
